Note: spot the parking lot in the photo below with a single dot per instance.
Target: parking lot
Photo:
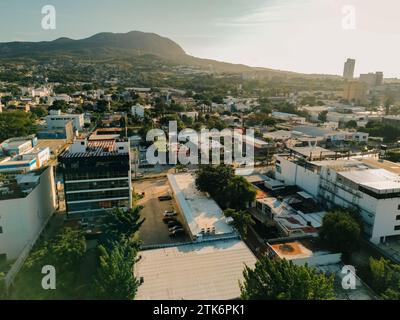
(153, 230)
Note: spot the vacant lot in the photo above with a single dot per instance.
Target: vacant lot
(153, 230)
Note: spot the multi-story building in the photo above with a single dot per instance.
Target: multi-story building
(378, 78)
(348, 72)
(97, 176)
(56, 119)
(355, 90)
(366, 185)
(372, 79)
(27, 201)
(20, 155)
(137, 110)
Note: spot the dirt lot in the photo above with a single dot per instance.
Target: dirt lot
(153, 230)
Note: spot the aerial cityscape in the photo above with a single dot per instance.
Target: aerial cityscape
(135, 166)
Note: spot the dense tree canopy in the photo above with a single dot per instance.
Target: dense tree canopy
(275, 279)
(65, 252)
(340, 231)
(122, 223)
(240, 193)
(241, 220)
(114, 279)
(228, 190)
(16, 124)
(385, 278)
(214, 179)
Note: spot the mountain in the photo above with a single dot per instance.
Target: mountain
(131, 43)
(128, 45)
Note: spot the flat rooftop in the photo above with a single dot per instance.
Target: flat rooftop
(203, 271)
(200, 211)
(314, 131)
(313, 152)
(291, 250)
(382, 164)
(378, 179)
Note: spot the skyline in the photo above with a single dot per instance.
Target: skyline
(232, 33)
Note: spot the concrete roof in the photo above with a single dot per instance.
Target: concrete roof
(204, 271)
(314, 131)
(314, 151)
(291, 250)
(199, 210)
(378, 179)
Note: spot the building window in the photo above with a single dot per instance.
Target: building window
(1, 229)
(398, 217)
(397, 228)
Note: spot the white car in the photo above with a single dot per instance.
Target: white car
(169, 213)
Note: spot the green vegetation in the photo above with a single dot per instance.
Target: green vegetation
(352, 124)
(59, 105)
(120, 224)
(214, 179)
(239, 193)
(393, 155)
(385, 278)
(228, 190)
(241, 220)
(39, 112)
(16, 124)
(114, 279)
(340, 231)
(378, 129)
(3, 292)
(322, 116)
(105, 272)
(275, 279)
(231, 192)
(65, 252)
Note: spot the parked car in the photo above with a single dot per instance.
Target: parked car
(176, 227)
(169, 213)
(176, 232)
(164, 198)
(174, 223)
(169, 219)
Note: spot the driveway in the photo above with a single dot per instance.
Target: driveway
(153, 230)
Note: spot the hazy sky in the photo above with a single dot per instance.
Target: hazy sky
(296, 35)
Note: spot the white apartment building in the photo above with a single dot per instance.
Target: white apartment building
(365, 184)
(27, 202)
(36, 92)
(56, 119)
(137, 110)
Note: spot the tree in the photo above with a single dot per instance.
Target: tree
(214, 179)
(114, 279)
(340, 231)
(276, 279)
(385, 278)
(239, 193)
(3, 290)
(122, 223)
(65, 252)
(389, 101)
(322, 116)
(352, 124)
(39, 112)
(59, 105)
(241, 220)
(16, 124)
